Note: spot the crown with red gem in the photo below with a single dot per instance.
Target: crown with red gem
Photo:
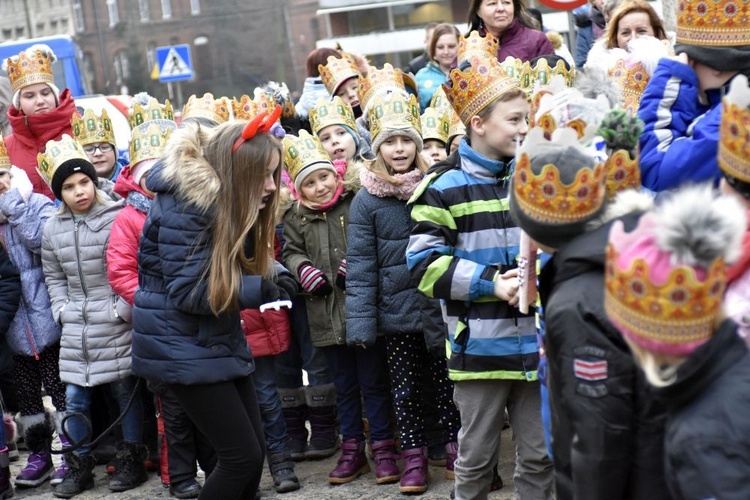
(4, 156)
(337, 70)
(214, 110)
(475, 47)
(247, 108)
(734, 135)
(32, 65)
(632, 79)
(713, 23)
(472, 89)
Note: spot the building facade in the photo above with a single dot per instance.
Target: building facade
(20, 19)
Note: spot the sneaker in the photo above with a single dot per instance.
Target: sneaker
(59, 474)
(37, 470)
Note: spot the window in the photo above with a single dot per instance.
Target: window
(39, 29)
(195, 7)
(20, 32)
(151, 55)
(78, 13)
(53, 26)
(166, 9)
(114, 15)
(122, 70)
(143, 8)
(64, 25)
(7, 34)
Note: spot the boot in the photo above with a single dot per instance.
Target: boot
(79, 478)
(6, 489)
(282, 470)
(352, 463)
(295, 413)
(497, 481)
(38, 437)
(131, 470)
(414, 477)
(324, 438)
(451, 453)
(62, 469)
(384, 455)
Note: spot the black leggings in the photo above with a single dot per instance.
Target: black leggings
(227, 414)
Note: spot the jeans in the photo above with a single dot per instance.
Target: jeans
(274, 426)
(78, 400)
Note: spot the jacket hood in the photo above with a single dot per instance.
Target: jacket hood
(34, 130)
(125, 183)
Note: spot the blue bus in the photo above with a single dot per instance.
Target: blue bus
(68, 68)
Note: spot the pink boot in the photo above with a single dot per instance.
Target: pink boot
(451, 451)
(352, 463)
(384, 455)
(414, 477)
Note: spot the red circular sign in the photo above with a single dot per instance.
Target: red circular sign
(564, 4)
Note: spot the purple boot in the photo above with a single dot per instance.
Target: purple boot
(62, 469)
(451, 450)
(384, 455)
(414, 477)
(37, 470)
(352, 463)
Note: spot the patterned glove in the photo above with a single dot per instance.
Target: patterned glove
(313, 280)
(341, 275)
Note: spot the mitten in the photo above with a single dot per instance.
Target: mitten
(313, 280)
(287, 286)
(269, 291)
(341, 275)
(20, 181)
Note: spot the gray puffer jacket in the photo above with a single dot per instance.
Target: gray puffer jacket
(96, 339)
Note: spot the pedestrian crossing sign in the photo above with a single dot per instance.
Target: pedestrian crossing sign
(174, 63)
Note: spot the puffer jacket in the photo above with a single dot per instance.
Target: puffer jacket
(267, 333)
(30, 136)
(96, 339)
(176, 337)
(522, 43)
(33, 328)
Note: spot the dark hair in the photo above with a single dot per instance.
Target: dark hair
(629, 7)
(319, 56)
(440, 30)
(519, 12)
(536, 14)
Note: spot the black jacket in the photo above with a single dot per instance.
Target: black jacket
(708, 432)
(10, 294)
(607, 429)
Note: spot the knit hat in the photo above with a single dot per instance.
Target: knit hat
(60, 160)
(665, 280)
(142, 168)
(394, 115)
(557, 187)
(304, 155)
(31, 66)
(734, 136)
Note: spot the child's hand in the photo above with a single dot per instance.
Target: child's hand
(506, 287)
(341, 275)
(313, 280)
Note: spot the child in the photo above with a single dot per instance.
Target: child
(664, 289)
(463, 250)
(334, 125)
(97, 137)
(381, 302)
(315, 233)
(435, 130)
(341, 75)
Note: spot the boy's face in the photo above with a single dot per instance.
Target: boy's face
(78, 193)
(348, 92)
(338, 142)
(710, 78)
(499, 134)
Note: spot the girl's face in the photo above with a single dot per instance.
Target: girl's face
(347, 91)
(338, 142)
(456, 142)
(399, 153)
(319, 186)
(496, 15)
(103, 156)
(434, 151)
(632, 26)
(269, 181)
(78, 193)
(446, 50)
(498, 134)
(36, 99)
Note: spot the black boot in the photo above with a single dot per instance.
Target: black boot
(324, 436)
(131, 470)
(282, 470)
(295, 414)
(79, 478)
(6, 489)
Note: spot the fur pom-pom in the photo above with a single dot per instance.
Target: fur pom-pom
(697, 227)
(648, 50)
(596, 82)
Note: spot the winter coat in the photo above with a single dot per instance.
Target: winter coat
(10, 291)
(176, 337)
(607, 428)
(707, 443)
(30, 136)
(380, 298)
(122, 252)
(429, 79)
(591, 24)
(96, 339)
(267, 333)
(33, 329)
(522, 43)
(417, 63)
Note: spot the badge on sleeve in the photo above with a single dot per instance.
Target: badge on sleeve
(591, 371)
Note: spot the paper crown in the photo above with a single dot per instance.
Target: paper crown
(623, 173)
(715, 23)
(89, 128)
(55, 154)
(4, 157)
(734, 135)
(475, 47)
(215, 110)
(333, 112)
(301, 152)
(632, 79)
(441, 104)
(548, 124)
(148, 140)
(436, 125)
(31, 67)
(153, 111)
(531, 78)
(394, 111)
(246, 108)
(471, 90)
(440, 101)
(378, 80)
(456, 126)
(673, 315)
(337, 70)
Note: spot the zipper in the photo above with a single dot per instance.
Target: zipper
(343, 229)
(85, 303)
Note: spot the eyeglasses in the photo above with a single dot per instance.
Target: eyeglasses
(103, 148)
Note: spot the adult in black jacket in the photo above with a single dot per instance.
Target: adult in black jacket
(10, 293)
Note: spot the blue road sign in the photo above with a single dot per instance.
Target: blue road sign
(174, 63)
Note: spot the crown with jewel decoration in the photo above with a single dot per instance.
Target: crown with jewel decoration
(30, 67)
(152, 111)
(247, 108)
(623, 173)
(302, 152)
(436, 125)
(89, 128)
(379, 81)
(475, 47)
(471, 90)
(457, 127)
(337, 70)
(394, 111)
(734, 134)
(149, 140)
(4, 157)
(713, 23)
(632, 79)
(542, 74)
(214, 110)
(55, 154)
(333, 112)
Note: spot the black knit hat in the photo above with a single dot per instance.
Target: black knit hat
(70, 167)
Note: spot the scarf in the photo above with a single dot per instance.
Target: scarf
(382, 188)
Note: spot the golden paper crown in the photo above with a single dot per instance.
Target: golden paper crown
(734, 135)
(148, 140)
(457, 127)
(440, 101)
(90, 128)
(55, 154)
(518, 69)
(301, 152)
(4, 157)
(542, 73)
(215, 110)
(632, 80)
(623, 172)
(28, 69)
(471, 90)
(544, 197)
(337, 70)
(378, 80)
(436, 124)
(394, 111)
(334, 112)
(715, 23)
(153, 111)
(547, 123)
(476, 47)
(246, 108)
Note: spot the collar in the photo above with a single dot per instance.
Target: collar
(479, 165)
(512, 30)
